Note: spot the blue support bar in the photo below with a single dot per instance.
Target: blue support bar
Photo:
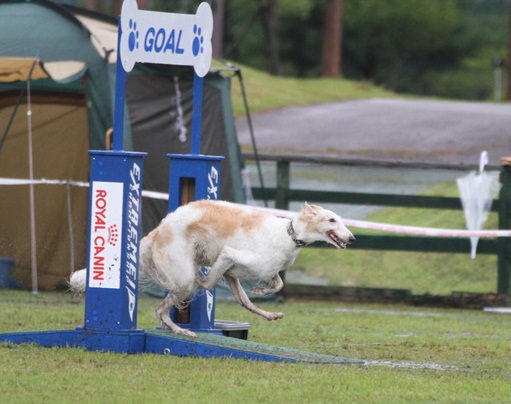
(198, 91)
(161, 343)
(120, 96)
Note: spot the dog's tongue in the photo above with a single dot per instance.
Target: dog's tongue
(338, 242)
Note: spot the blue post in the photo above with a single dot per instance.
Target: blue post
(120, 96)
(115, 208)
(193, 177)
(198, 91)
(115, 201)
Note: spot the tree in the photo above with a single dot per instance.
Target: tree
(393, 42)
(218, 7)
(269, 20)
(332, 39)
(509, 56)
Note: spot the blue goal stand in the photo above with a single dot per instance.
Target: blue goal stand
(115, 201)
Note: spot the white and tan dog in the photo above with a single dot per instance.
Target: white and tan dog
(237, 243)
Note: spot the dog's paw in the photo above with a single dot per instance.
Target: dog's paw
(274, 316)
(186, 333)
(179, 331)
(259, 291)
(167, 324)
(203, 283)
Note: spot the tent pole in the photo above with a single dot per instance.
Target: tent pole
(31, 186)
(70, 227)
(252, 137)
(11, 118)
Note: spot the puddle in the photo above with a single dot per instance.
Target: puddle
(385, 312)
(412, 365)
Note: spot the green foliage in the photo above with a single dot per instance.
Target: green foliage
(242, 33)
(393, 42)
(414, 46)
(473, 80)
(423, 47)
(300, 9)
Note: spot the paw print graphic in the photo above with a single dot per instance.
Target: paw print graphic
(133, 36)
(198, 41)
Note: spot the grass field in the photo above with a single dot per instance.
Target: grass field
(414, 355)
(266, 92)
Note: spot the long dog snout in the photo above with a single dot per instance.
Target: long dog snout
(341, 241)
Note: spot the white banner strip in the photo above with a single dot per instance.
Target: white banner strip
(21, 181)
(155, 195)
(394, 228)
(426, 231)
(360, 224)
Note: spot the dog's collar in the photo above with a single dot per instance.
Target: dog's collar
(291, 231)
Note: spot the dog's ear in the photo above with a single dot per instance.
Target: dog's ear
(308, 209)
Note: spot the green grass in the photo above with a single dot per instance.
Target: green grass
(436, 273)
(266, 92)
(422, 356)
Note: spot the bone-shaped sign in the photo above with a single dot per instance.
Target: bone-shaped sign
(166, 38)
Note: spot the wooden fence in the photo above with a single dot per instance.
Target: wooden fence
(282, 194)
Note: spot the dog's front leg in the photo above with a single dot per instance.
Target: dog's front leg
(275, 286)
(242, 298)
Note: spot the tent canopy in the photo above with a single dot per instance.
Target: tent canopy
(73, 54)
(20, 69)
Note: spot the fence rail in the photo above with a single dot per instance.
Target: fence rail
(282, 194)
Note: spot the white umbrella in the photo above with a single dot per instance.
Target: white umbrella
(477, 191)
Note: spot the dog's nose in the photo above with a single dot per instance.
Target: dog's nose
(352, 239)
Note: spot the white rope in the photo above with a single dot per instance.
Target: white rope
(361, 224)
(22, 181)
(401, 229)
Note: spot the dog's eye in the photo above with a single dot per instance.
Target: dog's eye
(332, 220)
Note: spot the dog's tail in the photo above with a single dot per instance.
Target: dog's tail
(78, 280)
(151, 276)
(148, 272)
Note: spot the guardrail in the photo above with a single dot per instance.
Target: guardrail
(282, 194)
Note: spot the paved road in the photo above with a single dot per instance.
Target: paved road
(388, 129)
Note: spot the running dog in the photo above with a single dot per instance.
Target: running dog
(236, 243)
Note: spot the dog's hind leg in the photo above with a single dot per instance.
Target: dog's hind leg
(163, 312)
(242, 298)
(223, 263)
(275, 286)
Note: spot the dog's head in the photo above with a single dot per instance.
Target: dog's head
(319, 224)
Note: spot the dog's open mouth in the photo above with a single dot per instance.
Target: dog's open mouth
(337, 240)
